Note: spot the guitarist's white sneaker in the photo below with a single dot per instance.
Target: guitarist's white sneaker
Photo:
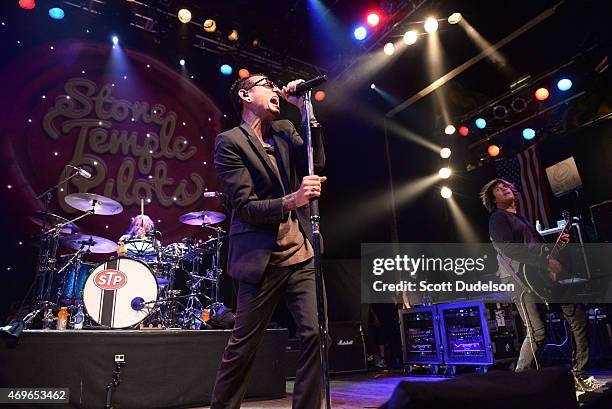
(587, 384)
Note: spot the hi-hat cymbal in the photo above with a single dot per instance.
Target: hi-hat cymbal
(100, 204)
(201, 218)
(93, 244)
(50, 220)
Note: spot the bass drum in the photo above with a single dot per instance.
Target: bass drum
(120, 293)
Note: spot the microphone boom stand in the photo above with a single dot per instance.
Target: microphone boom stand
(316, 246)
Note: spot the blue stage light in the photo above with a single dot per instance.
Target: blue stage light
(564, 84)
(182, 62)
(481, 123)
(528, 134)
(360, 33)
(226, 69)
(56, 13)
(115, 40)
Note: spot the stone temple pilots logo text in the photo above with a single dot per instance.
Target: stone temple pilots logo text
(92, 112)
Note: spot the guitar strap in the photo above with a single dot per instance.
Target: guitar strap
(508, 268)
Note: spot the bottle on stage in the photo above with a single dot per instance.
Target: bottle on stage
(48, 319)
(62, 319)
(79, 318)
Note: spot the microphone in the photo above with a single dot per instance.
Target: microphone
(81, 171)
(213, 194)
(308, 85)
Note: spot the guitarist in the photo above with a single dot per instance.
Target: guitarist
(519, 242)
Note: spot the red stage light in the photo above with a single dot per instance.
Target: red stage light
(319, 95)
(243, 73)
(373, 19)
(27, 4)
(493, 150)
(463, 130)
(541, 94)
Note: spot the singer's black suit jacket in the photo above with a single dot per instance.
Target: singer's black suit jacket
(255, 192)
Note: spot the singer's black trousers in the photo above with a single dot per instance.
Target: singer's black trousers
(256, 304)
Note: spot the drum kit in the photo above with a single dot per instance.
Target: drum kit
(139, 284)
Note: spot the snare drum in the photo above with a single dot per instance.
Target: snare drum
(120, 293)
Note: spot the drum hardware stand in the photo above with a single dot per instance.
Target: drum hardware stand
(112, 385)
(49, 241)
(216, 270)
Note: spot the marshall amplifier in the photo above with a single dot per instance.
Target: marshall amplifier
(347, 349)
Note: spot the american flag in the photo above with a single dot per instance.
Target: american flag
(525, 172)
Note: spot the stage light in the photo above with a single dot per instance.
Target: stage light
(319, 95)
(226, 69)
(115, 40)
(184, 16)
(444, 173)
(542, 94)
(182, 62)
(445, 153)
(493, 150)
(500, 111)
(480, 123)
(233, 36)
(518, 104)
(454, 18)
(373, 19)
(360, 33)
(528, 134)
(564, 84)
(256, 43)
(244, 73)
(449, 130)
(210, 25)
(431, 25)
(446, 192)
(56, 13)
(410, 37)
(372, 86)
(27, 4)
(463, 130)
(389, 48)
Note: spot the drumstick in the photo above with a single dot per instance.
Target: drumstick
(141, 206)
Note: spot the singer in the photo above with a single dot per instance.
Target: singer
(261, 164)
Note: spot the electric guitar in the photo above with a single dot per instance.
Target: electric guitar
(538, 280)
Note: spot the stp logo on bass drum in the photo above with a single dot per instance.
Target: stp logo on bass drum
(110, 279)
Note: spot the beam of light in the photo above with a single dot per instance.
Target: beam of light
(464, 227)
(403, 132)
(392, 100)
(415, 188)
(436, 65)
(495, 57)
(330, 34)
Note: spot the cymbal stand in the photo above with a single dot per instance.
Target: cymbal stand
(216, 269)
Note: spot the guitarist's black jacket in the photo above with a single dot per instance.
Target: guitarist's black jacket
(516, 238)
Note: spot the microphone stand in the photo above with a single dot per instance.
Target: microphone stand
(316, 246)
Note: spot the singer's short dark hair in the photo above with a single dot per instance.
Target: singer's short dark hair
(486, 193)
(241, 83)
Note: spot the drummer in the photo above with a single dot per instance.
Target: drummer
(139, 242)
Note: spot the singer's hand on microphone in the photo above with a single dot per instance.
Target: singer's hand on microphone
(298, 100)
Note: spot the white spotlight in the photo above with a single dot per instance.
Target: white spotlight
(372, 85)
(449, 130)
(446, 192)
(115, 40)
(389, 49)
(410, 37)
(431, 25)
(445, 153)
(444, 173)
(454, 18)
(182, 62)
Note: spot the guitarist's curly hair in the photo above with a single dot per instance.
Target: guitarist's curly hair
(486, 193)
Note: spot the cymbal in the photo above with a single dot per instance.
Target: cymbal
(87, 201)
(201, 218)
(50, 220)
(93, 244)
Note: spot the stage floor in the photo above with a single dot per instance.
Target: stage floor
(363, 391)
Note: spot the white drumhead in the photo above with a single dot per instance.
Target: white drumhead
(115, 290)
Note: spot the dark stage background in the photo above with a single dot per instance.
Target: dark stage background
(356, 206)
